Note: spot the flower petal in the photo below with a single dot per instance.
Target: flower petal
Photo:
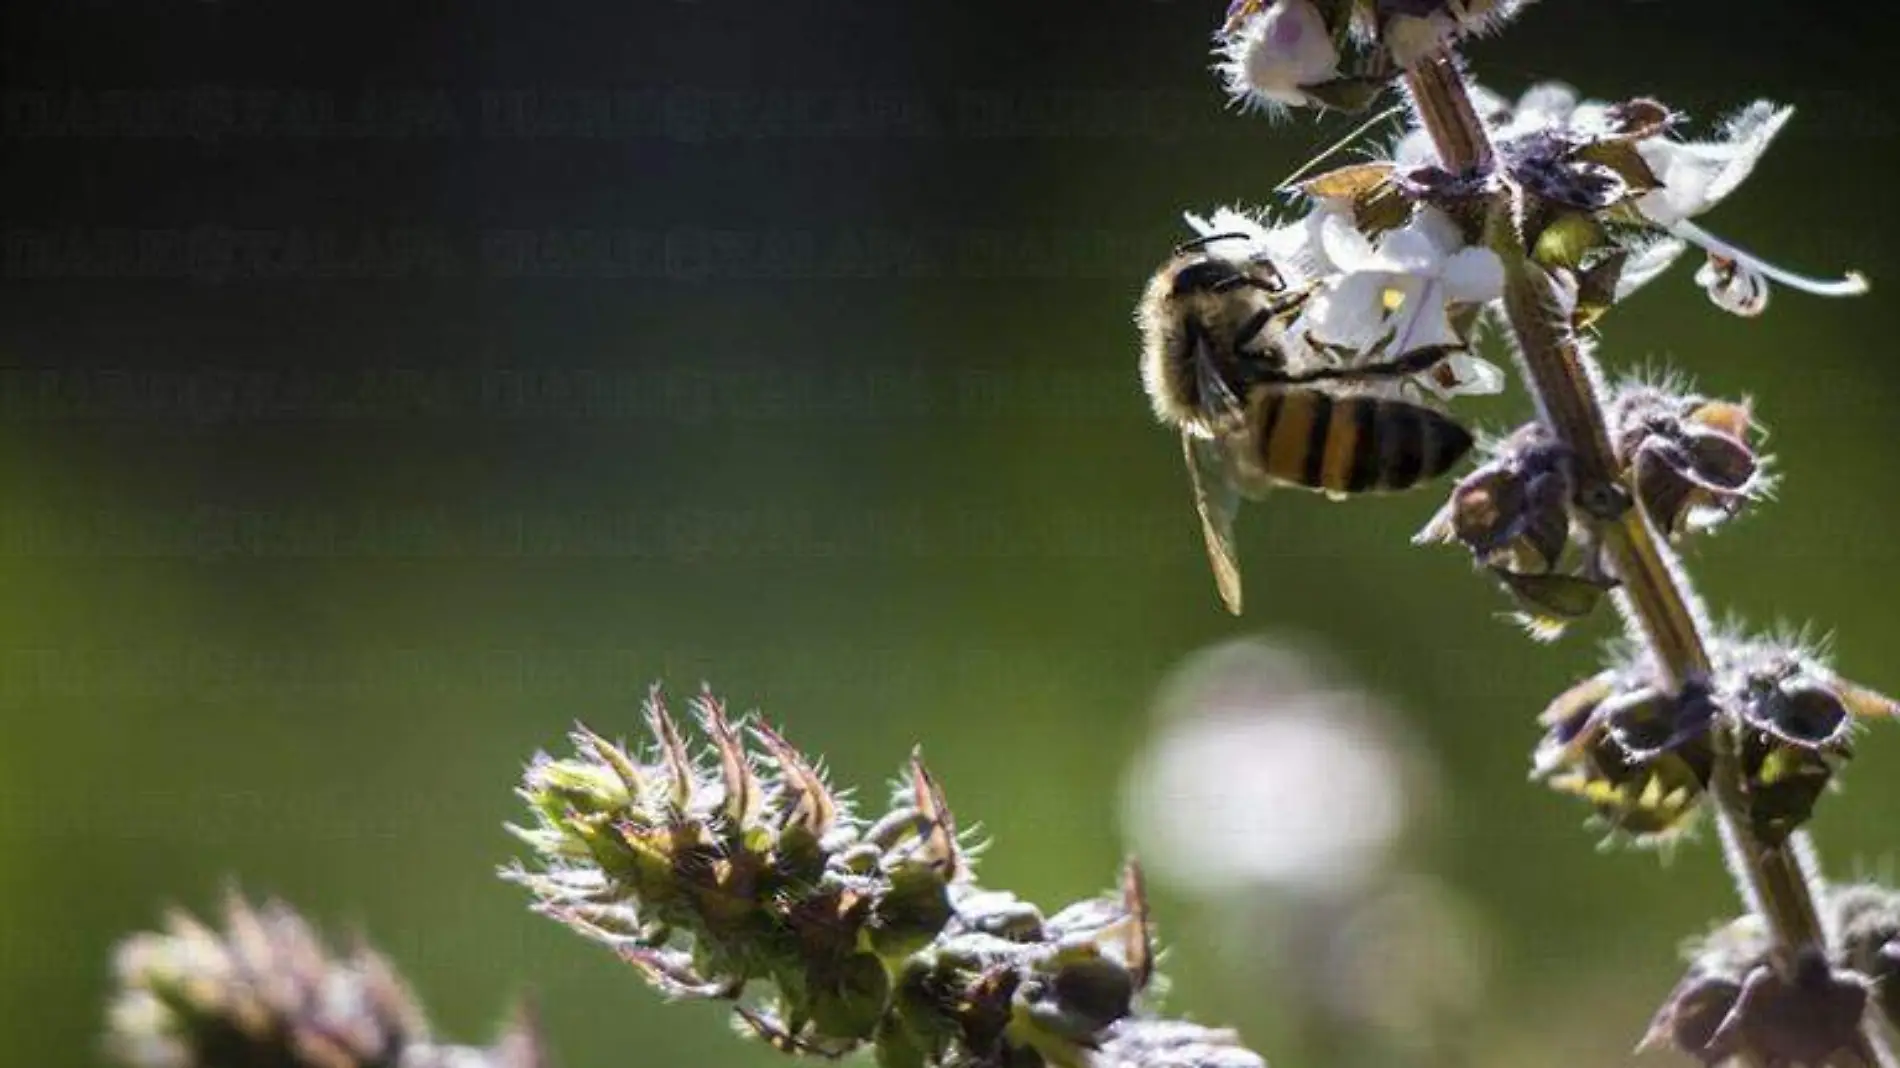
(1648, 262)
(1349, 313)
(1473, 276)
(1345, 247)
(1695, 175)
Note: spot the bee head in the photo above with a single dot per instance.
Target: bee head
(1204, 272)
(1208, 275)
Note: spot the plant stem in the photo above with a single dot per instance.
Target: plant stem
(1654, 593)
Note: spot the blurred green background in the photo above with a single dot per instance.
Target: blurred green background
(326, 503)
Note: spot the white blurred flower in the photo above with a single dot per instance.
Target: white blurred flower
(1271, 56)
(1398, 294)
(1266, 773)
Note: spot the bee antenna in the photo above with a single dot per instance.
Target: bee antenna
(1208, 239)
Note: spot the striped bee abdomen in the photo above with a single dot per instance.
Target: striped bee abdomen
(1352, 444)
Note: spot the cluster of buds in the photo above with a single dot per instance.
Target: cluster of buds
(1339, 53)
(1735, 1004)
(732, 869)
(1691, 460)
(265, 993)
(1641, 753)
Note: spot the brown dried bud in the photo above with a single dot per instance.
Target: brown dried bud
(1641, 758)
(1795, 718)
(1515, 514)
(1733, 1003)
(1641, 755)
(1693, 459)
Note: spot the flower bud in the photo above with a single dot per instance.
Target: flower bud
(1516, 515)
(266, 991)
(1735, 287)
(1274, 53)
(713, 878)
(1639, 757)
(1412, 30)
(1693, 459)
(1806, 1017)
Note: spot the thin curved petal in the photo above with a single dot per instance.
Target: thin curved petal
(1696, 175)
(1647, 263)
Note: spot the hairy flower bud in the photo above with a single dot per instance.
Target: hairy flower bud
(1640, 754)
(1639, 757)
(1734, 1004)
(1274, 52)
(1412, 30)
(1515, 514)
(1693, 459)
(265, 991)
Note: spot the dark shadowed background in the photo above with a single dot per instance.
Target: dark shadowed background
(383, 391)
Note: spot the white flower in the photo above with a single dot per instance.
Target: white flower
(1370, 303)
(1273, 54)
(1294, 247)
(1696, 175)
(1410, 38)
(1396, 298)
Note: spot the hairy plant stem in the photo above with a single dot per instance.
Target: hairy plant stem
(1654, 593)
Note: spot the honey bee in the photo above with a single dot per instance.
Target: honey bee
(1215, 362)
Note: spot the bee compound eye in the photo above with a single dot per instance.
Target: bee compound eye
(1205, 276)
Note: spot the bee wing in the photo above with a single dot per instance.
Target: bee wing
(1217, 395)
(1217, 494)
